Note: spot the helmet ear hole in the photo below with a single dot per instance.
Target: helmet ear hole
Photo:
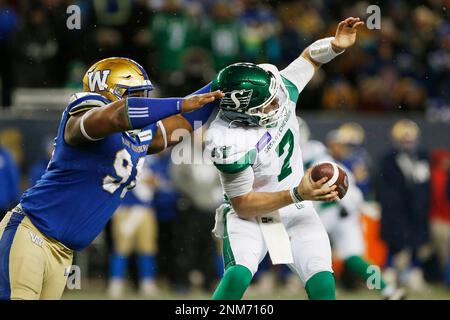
(119, 91)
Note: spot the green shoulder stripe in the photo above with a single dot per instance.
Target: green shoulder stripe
(292, 90)
(243, 163)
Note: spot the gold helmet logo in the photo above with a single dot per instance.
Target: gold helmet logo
(116, 77)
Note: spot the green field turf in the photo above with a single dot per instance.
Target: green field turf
(433, 293)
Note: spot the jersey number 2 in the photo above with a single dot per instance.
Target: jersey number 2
(286, 145)
(123, 166)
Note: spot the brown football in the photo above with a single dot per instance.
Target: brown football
(335, 174)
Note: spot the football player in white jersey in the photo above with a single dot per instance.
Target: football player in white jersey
(254, 143)
(342, 219)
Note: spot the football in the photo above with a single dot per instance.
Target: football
(336, 176)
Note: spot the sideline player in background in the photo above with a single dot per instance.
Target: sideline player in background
(404, 196)
(254, 143)
(342, 219)
(135, 230)
(104, 135)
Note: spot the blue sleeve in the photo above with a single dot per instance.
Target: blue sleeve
(144, 111)
(201, 115)
(205, 89)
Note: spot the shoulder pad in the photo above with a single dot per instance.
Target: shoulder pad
(83, 101)
(232, 149)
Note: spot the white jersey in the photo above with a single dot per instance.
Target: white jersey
(268, 160)
(273, 153)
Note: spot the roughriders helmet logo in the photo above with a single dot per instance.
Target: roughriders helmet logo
(236, 99)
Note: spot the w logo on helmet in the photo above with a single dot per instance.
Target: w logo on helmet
(98, 80)
(236, 99)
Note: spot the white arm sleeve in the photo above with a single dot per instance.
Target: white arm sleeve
(163, 131)
(237, 184)
(299, 72)
(83, 130)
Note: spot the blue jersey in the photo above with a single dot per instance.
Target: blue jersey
(142, 195)
(166, 195)
(37, 170)
(83, 186)
(360, 158)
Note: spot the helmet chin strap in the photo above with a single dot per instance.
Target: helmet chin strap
(237, 122)
(281, 89)
(231, 123)
(281, 111)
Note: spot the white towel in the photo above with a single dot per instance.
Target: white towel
(277, 238)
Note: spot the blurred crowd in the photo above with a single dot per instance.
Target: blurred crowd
(161, 235)
(402, 66)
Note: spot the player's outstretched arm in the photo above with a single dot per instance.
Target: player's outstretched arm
(185, 123)
(323, 50)
(129, 114)
(252, 204)
(300, 71)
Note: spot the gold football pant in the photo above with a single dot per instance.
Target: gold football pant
(32, 266)
(134, 229)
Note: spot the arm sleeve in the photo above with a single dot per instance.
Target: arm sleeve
(299, 73)
(237, 184)
(163, 132)
(203, 114)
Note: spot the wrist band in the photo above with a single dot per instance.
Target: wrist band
(295, 195)
(144, 111)
(322, 51)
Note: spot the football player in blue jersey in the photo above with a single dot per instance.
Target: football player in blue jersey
(104, 135)
(134, 229)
